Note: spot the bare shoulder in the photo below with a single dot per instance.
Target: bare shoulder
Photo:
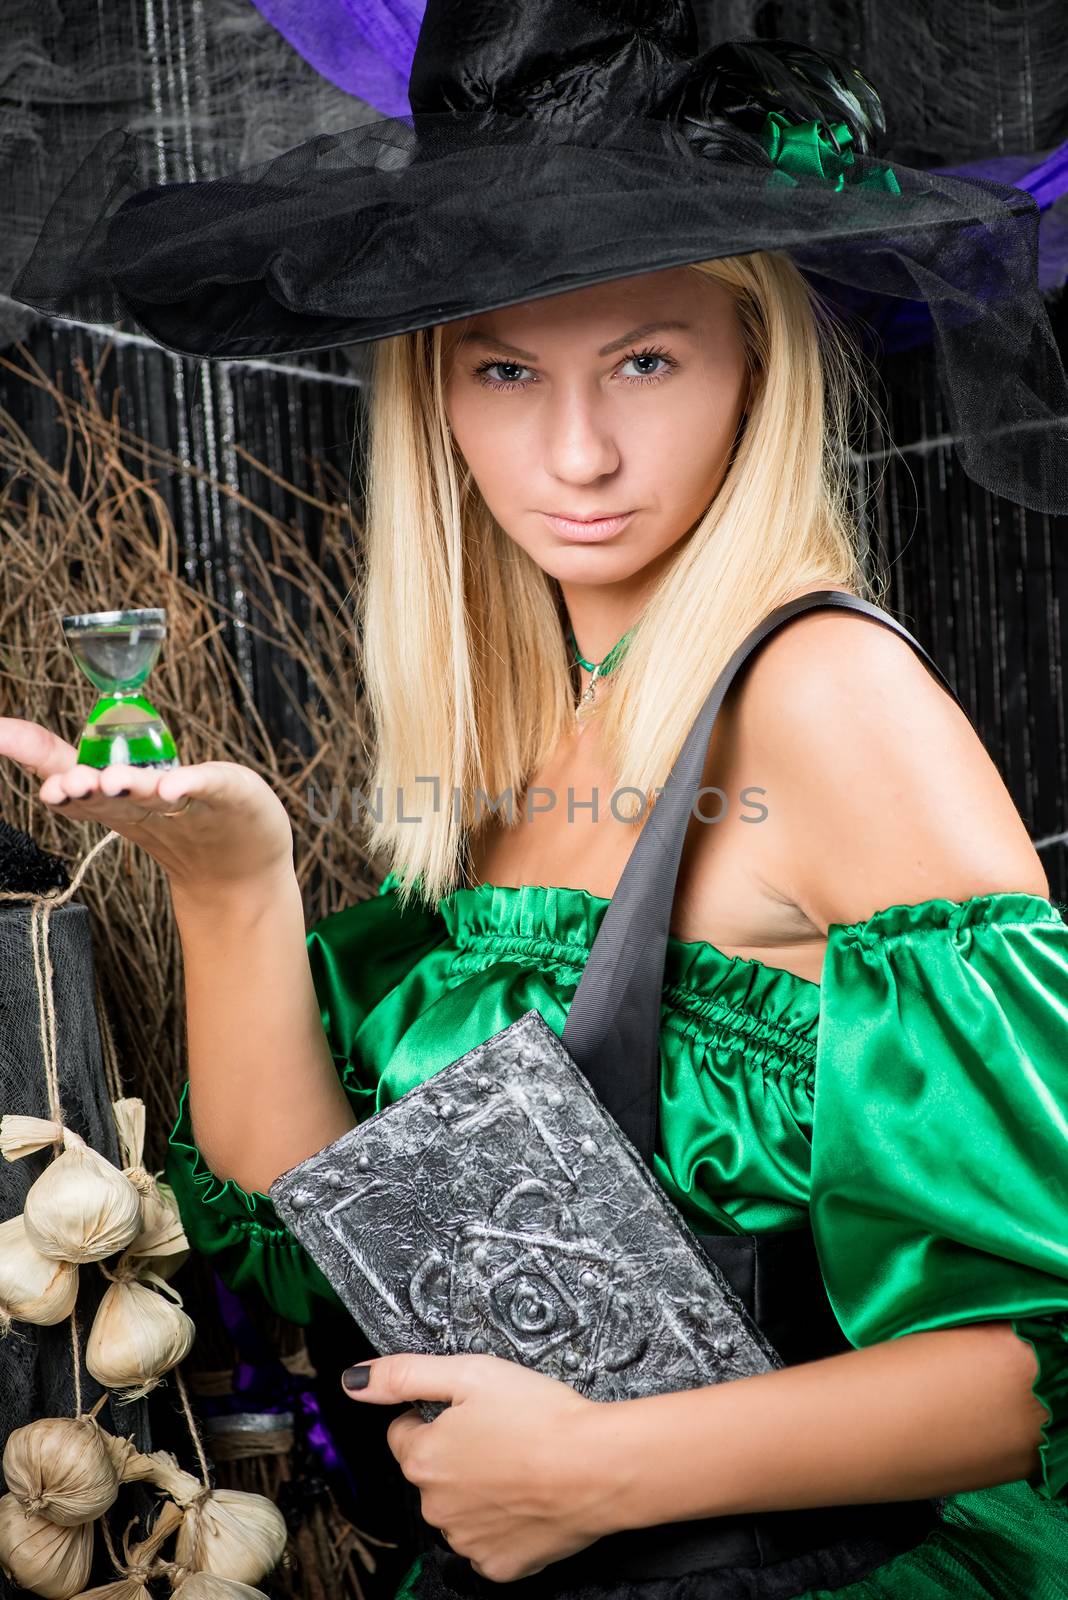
(882, 790)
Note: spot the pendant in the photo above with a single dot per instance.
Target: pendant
(585, 708)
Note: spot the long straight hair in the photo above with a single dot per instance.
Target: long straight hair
(463, 650)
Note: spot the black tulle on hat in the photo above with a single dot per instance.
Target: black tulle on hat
(554, 144)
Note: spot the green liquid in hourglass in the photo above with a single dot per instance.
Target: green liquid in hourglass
(117, 650)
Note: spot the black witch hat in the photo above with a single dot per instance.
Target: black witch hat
(554, 144)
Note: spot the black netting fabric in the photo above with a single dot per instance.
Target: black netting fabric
(36, 1363)
(399, 223)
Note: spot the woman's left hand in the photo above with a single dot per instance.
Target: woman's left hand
(507, 1470)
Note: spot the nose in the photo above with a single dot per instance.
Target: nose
(581, 444)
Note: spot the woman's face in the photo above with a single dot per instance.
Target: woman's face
(576, 405)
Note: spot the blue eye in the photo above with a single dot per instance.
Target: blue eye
(651, 353)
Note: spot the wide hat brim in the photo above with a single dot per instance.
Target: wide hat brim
(400, 223)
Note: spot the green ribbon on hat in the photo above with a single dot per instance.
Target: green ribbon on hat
(805, 150)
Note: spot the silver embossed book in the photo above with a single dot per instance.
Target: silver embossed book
(498, 1207)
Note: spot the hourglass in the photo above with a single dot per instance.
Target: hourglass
(117, 650)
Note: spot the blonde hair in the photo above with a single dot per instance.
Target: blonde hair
(467, 672)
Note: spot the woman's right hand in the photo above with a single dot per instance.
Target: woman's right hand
(212, 827)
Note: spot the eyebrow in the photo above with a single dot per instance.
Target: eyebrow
(607, 350)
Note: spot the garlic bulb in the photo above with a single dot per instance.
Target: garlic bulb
(22, 1136)
(161, 1244)
(33, 1288)
(61, 1468)
(130, 1123)
(137, 1336)
(161, 1247)
(140, 1564)
(231, 1533)
(81, 1208)
(122, 1452)
(135, 1587)
(40, 1556)
(206, 1586)
(161, 1468)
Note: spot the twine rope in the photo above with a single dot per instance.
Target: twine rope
(43, 905)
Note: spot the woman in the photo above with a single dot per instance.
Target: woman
(867, 914)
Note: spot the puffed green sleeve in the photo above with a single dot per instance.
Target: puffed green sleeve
(357, 955)
(940, 1131)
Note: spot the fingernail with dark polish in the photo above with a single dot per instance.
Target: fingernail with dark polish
(356, 1377)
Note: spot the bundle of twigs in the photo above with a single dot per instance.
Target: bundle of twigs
(94, 532)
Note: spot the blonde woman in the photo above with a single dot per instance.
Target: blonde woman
(598, 457)
(859, 908)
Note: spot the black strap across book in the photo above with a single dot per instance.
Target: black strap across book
(479, 1211)
(613, 1033)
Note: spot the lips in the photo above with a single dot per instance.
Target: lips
(587, 530)
(587, 516)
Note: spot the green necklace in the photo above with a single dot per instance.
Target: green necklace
(599, 669)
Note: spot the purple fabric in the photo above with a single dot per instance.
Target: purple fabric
(262, 1383)
(908, 322)
(1047, 181)
(363, 46)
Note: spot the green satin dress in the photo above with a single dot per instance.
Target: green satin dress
(913, 1105)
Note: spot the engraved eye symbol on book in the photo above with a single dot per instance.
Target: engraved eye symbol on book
(520, 1280)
